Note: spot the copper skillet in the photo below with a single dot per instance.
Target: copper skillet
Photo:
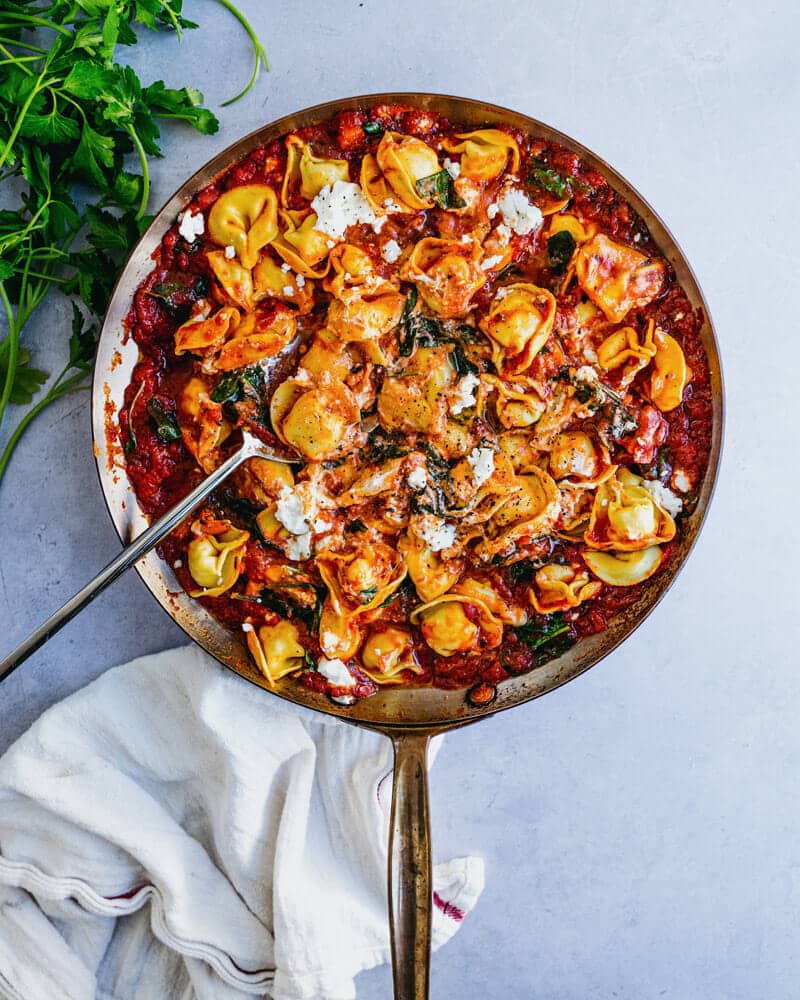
(408, 716)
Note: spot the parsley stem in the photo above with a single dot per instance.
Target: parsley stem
(56, 392)
(39, 22)
(145, 171)
(13, 350)
(258, 48)
(23, 45)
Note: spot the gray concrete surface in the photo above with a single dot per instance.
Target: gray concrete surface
(640, 826)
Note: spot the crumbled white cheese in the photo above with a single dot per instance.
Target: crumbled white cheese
(299, 546)
(586, 374)
(418, 478)
(590, 354)
(247, 627)
(338, 206)
(391, 206)
(335, 672)
(285, 268)
(663, 496)
(466, 238)
(492, 210)
(454, 169)
(191, 226)
(518, 212)
(681, 481)
(482, 462)
(300, 281)
(289, 511)
(390, 251)
(464, 396)
(491, 262)
(288, 291)
(328, 641)
(501, 293)
(379, 223)
(330, 244)
(230, 251)
(320, 525)
(435, 533)
(637, 237)
(503, 232)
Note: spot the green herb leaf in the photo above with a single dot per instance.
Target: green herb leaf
(440, 188)
(543, 629)
(94, 152)
(27, 380)
(165, 423)
(373, 128)
(228, 390)
(560, 248)
(549, 180)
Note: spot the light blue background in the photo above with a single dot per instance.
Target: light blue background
(640, 826)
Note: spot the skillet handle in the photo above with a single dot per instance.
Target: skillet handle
(410, 868)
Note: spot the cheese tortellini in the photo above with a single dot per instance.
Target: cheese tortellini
(519, 325)
(626, 517)
(617, 278)
(485, 153)
(317, 419)
(246, 218)
(215, 556)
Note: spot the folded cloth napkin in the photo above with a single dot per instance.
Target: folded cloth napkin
(172, 832)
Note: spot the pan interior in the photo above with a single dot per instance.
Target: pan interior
(395, 707)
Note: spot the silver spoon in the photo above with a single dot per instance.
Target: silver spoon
(251, 448)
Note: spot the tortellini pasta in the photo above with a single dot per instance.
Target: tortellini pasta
(670, 374)
(404, 160)
(276, 650)
(626, 517)
(485, 153)
(624, 350)
(307, 173)
(235, 280)
(616, 277)
(528, 512)
(517, 404)
(519, 325)
(624, 569)
(261, 334)
(203, 425)
(576, 459)
(215, 556)
(302, 246)
(204, 337)
(387, 652)
(455, 623)
(316, 419)
(361, 579)
(559, 587)
(246, 218)
(414, 400)
(270, 279)
(447, 274)
(431, 575)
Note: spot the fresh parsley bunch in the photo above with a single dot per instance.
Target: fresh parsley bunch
(69, 114)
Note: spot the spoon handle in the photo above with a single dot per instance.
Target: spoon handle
(130, 554)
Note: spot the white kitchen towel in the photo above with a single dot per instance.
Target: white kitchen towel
(172, 832)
